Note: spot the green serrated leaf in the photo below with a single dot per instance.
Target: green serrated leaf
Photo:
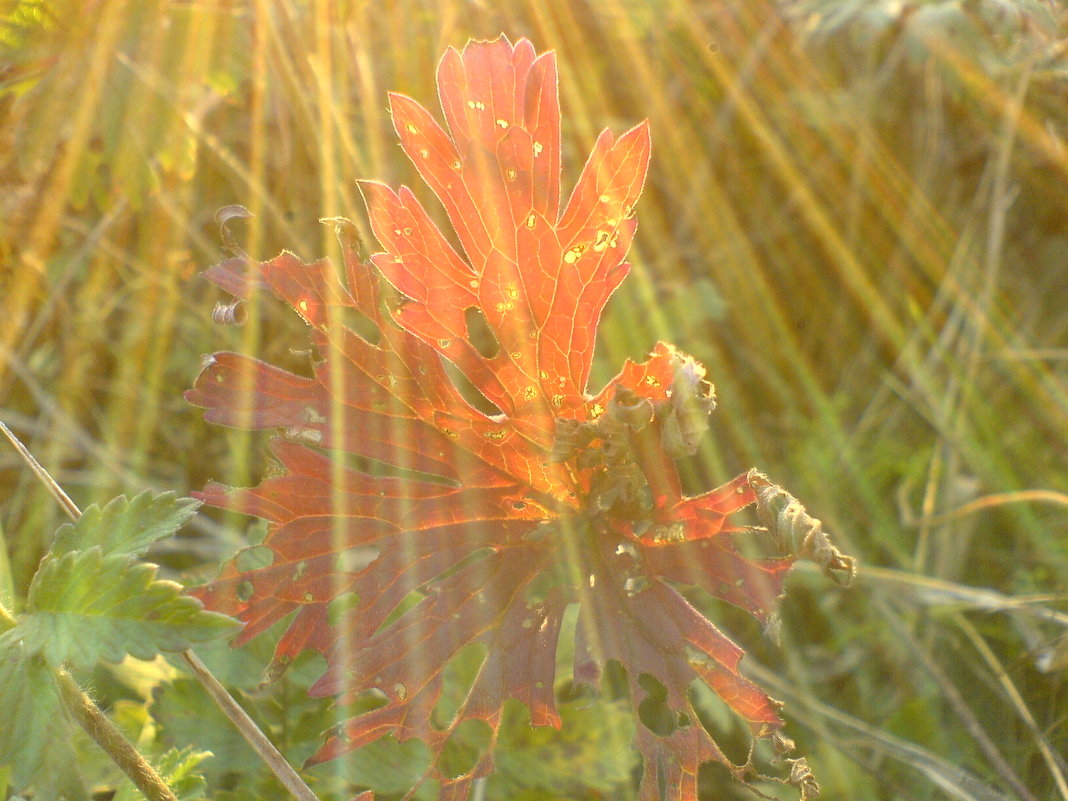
(124, 526)
(35, 738)
(177, 767)
(84, 607)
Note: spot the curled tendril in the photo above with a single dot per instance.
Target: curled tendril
(794, 531)
(223, 217)
(229, 313)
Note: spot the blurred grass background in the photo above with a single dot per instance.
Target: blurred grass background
(856, 217)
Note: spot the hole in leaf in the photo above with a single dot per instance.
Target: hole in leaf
(365, 701)
(418, 594)
(391, 301)
(468, 391)
(479, 334)
(256, 532)
(614, 682)
(470, 559)
(376, 467)
(353, 560)
(359, 323)
(307, 666)
(244, 591)
(653, 711)
(254, 558)
(459, 676)
(538, 588)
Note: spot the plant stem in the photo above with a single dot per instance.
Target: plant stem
(111, 740)
(252, 733)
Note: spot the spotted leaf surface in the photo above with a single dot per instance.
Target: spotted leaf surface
(452, 483)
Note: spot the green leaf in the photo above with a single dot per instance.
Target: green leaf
(35, 738)
(186, 715)
(387, 766)
(179, 769)
(84, 607)
(7, 584)
(124, 526)
(590, 752)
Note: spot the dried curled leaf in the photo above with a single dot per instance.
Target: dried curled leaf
(795, 531)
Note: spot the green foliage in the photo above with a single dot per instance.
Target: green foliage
(388, 768)
(180, 769)
(91, 600)
(808, 151)
(126, 527)
(294, 721)
(583, 759)
(84, 607)
(7, 584)
(35, 740)
(187, 716)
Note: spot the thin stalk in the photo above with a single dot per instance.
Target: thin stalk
(62, 498)
(252, 733)
(937, 593)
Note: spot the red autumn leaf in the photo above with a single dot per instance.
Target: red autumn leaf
(488, 511)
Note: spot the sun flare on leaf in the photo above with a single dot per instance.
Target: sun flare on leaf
(454, 477)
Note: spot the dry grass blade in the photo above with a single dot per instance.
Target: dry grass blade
(997, 499)
(1054, 762)
(958, 703)
(956, 781)
(69, 506)
(940, 593)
